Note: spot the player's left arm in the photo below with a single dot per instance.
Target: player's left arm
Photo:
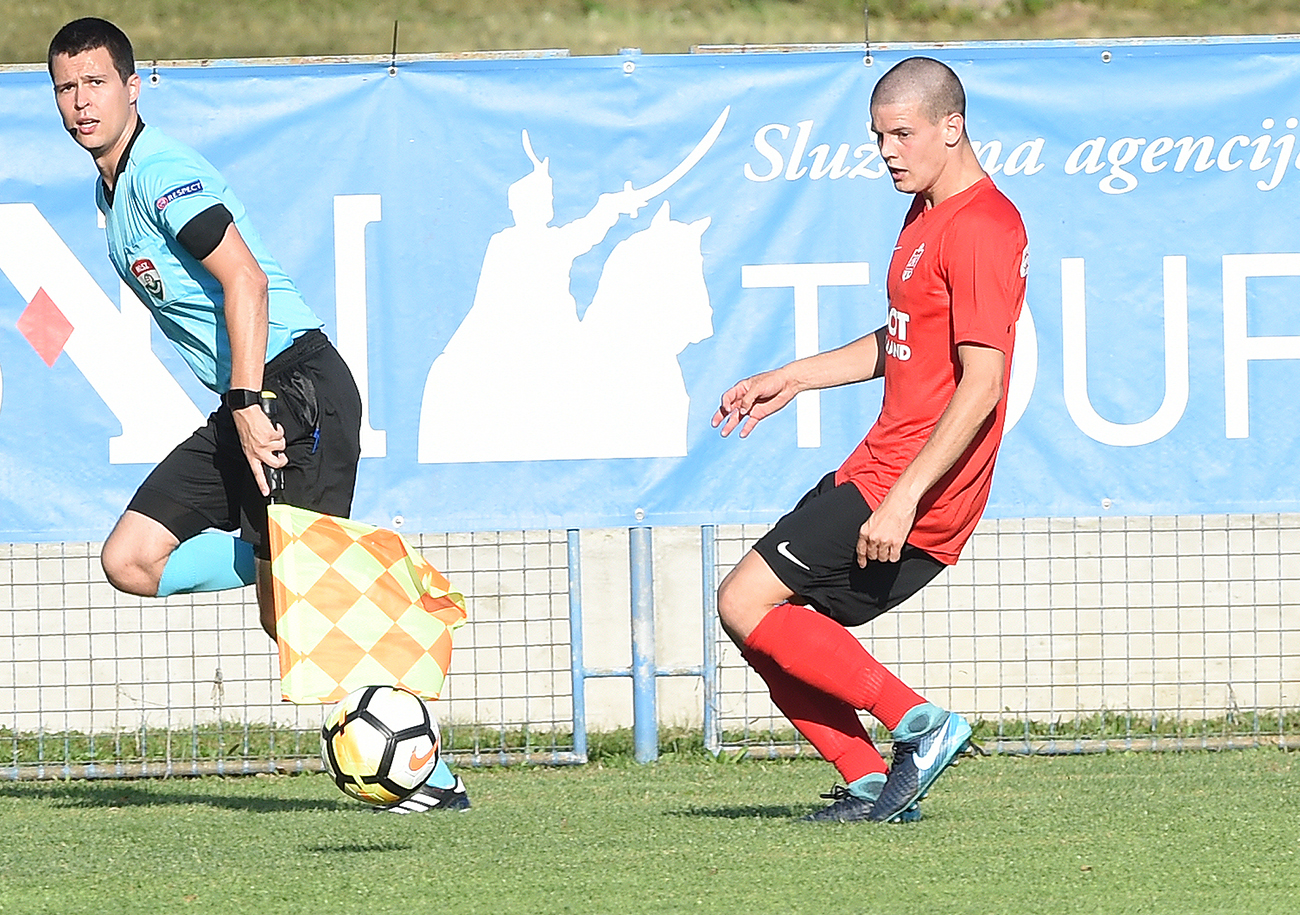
(246, 303)
(979, 391)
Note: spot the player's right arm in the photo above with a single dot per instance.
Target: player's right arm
(245, 298)
(758, 397)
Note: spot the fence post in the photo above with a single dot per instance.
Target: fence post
(577, 664)
(645, 721)
(709, 580)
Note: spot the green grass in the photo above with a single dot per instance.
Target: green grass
(179, 29)
(1186, 832)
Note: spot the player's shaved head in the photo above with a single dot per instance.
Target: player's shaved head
(924, 82)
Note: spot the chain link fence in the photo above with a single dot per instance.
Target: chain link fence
(1079, 635)
(1055, 635)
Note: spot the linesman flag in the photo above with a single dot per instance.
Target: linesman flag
(356, 605)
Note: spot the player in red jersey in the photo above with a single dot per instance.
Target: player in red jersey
(902, 505)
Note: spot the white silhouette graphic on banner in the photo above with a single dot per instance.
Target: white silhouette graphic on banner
(523, 379)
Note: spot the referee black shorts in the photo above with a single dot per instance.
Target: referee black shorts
(205, 482)
(813, 551)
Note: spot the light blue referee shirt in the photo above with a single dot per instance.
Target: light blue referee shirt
(164, 185)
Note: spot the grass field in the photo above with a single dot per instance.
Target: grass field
(179, 29)
(1167, 833)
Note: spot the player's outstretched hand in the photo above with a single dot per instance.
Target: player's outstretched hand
(753, 399)
(263, 443)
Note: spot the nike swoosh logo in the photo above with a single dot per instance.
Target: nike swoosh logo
(784, 549)
(928, 760)
(419, 762)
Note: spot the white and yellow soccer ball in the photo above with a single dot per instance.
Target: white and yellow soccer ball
(380, 744)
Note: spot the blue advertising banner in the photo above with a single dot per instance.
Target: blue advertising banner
(544, 272)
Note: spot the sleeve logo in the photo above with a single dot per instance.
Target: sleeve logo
(149, 277)
(175, 193)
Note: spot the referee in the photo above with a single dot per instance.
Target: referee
(181, 240)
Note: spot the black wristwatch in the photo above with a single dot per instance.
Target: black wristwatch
(239, 398)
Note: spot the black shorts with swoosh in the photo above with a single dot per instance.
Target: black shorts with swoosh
(813, 550)
(206, 482)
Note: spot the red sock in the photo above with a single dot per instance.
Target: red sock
(832, 726)
(823, 654)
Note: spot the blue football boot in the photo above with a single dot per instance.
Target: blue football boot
(849, 808)
(917, 763)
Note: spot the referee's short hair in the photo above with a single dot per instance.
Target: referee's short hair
(924, 81)
(82, 35)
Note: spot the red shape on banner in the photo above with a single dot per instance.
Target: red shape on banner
(45, 327)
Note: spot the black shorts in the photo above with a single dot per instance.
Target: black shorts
(813, 550)
(206, 482)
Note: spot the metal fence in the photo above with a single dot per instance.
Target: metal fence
(1074, 635)
(1062, 635)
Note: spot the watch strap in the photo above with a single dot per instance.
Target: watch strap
(240, 398)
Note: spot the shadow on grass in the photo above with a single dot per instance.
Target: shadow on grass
(355, 848)
(746, 812)
(89, 794)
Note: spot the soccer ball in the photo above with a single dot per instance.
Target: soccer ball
(380, 744)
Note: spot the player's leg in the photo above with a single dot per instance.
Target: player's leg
(811, 551)
(926, 737)
(265, 598)
(746, 597)
(836, 732)
(136, 552)
(747, 594)
(161, 545)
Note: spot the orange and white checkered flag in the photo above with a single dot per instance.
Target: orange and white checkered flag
(356, 605)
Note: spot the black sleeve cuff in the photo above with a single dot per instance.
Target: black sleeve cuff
(204, 232)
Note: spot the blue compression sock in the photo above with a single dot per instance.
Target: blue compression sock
(210, 561)
(442, 777)
(868, 787)
(918, 720)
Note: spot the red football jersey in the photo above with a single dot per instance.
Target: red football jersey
(957, 276)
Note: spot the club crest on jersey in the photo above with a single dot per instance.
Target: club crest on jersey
(149, 277)
(177, 192)
(911, 261)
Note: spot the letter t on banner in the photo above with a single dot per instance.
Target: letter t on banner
(805, 280)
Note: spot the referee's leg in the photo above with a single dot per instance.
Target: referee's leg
(135, 553)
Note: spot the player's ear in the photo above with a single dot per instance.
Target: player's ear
(133, 87)
(954, 128)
